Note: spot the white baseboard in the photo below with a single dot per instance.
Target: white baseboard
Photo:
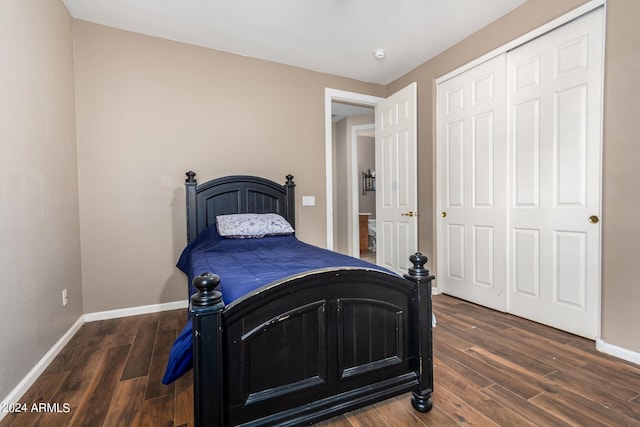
(32, 376)
(614, 350)
(134, 311)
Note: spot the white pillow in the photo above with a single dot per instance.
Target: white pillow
(241, 226)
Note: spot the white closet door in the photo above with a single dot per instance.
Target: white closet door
(555, 113)
(471, 185)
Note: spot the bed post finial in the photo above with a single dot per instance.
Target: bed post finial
(191, 177)
(421, 400)
(206, 295)
(418, 260)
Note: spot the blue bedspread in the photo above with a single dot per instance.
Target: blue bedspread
(243, 266)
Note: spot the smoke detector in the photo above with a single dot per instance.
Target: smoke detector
(379, 54)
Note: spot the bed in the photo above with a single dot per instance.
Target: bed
(306, 342)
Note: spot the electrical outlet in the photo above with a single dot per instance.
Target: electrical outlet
(65, 297)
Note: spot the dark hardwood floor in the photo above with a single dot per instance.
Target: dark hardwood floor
(490, 369)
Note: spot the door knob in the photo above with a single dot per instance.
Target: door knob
(593, 219)
(410, 213)
(444, 214)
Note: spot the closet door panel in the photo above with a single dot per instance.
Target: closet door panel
(570, 146)
(454, 191)
(525, 144)
(526, 263)
(472, 191)
(554, 170)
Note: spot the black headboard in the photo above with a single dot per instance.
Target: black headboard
(235, 194)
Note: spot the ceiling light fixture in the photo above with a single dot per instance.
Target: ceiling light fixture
(379, 54)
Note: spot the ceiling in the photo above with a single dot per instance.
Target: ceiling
(331, 36)
(341, 110)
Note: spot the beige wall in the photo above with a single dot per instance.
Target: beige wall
(621, 229)
(151, 109)
(39, 229)
(621, 294)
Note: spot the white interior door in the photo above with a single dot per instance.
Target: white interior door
(555, 114)
(471, 186)
(396, 178)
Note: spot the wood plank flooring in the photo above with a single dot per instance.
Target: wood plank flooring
(491, 369)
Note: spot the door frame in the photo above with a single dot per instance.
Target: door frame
(355, 194)
(336, 95)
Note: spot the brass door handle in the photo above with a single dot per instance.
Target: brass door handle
(593, 219)
(410, 213)
(444, 214)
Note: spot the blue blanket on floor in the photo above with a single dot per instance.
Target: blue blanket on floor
(243, 266)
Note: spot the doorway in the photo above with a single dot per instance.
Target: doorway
(396, 174)
(342, 206)
(364, 178)
(353, 134)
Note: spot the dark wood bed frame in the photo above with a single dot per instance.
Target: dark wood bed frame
(307, 347)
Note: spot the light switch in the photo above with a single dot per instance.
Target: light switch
(308, 200)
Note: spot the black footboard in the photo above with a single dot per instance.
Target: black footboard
(312, 346)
